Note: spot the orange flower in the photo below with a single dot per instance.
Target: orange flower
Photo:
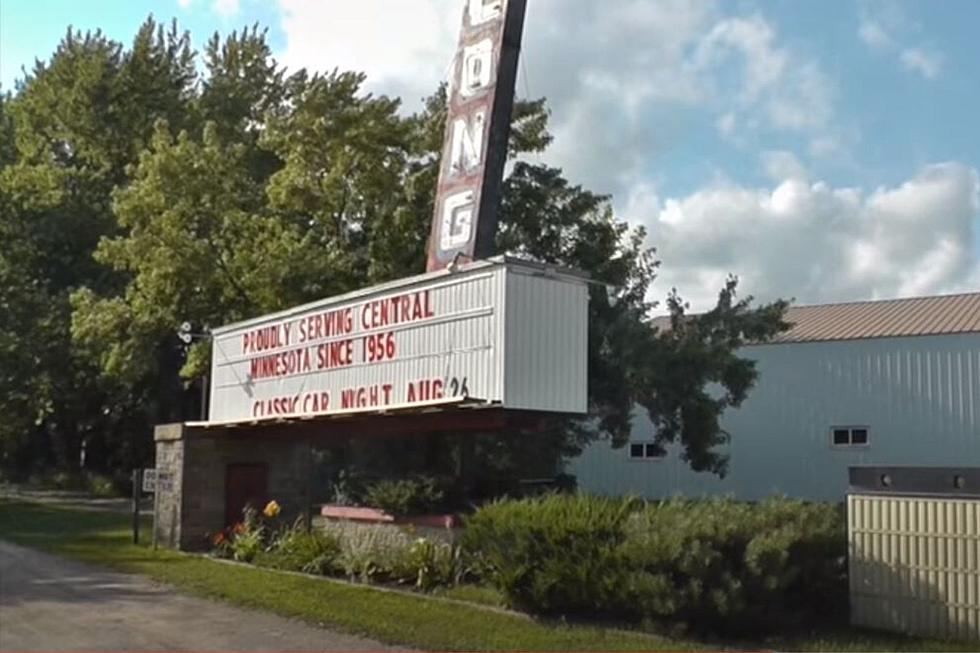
(272, 509)
(219, 538)
(239, 528)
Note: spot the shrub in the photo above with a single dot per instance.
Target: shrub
(731, 565)
(718, 564)
(405, 496)
(300, 549)
(435, 564)
(553, 554)
(101, 486)
(246, 545)
(370, 553)
(254, 535)
(93, 483)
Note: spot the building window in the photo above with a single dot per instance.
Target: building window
(646, 451)
(850, 436)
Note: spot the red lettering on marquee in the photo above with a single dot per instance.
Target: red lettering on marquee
(426, 390)
(295, 361)
(401, 309)
(329, 324)
(335, 354)
(372, 396)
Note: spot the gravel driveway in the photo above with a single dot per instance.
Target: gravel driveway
(51, 604)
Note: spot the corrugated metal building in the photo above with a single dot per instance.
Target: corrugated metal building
(871, 383)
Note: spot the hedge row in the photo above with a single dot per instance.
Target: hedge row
(715, 564)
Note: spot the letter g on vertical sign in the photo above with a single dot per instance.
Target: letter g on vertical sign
(457, 220)
(480, 104)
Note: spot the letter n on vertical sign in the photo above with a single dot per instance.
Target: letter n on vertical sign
(481, 103)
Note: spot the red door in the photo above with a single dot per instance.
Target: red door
(244, 485)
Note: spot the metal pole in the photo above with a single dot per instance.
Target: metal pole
(136, 505)
(204, 397)
(156, 511)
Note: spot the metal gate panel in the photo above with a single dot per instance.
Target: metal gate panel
(914, 556)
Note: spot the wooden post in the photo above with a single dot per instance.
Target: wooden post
(137, 482)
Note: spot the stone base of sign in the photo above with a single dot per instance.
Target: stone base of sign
(190, 506)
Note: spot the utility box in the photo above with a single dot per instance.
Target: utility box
(914, 550)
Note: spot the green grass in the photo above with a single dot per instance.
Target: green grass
(479, 594)
(397, 618)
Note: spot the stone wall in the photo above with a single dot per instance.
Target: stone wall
(193, 507)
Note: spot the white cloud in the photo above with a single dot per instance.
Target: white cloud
(726, 125)
(184, 3)
(226, 8)
(791, 91)
(781, 165)
(622, 86)
(404, 47)
(826, 147)
(884, 28)
(818, 243)
(874, 35)
(618, 82)
(926, 63)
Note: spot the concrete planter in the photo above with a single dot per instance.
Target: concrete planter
(380, 517)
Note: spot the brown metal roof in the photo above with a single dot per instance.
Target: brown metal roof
(917, 316)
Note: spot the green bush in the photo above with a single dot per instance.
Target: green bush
(247, 545)
(734, 565)
(300, 549)
(93, 483)
(435, 564)
(101, 486)
(409, 496)
(248, 539)
(371, 553)
(715, 564)
(559, 553)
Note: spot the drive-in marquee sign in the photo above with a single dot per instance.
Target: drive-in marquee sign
(481, 99)
(496, 332)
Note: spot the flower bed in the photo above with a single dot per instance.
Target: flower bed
(367, 546)
(718, 565)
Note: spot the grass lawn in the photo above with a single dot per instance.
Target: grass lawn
(404, 619)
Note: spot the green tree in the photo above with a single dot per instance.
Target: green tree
(75, 124)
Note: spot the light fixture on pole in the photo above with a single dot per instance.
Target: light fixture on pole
(185, 333)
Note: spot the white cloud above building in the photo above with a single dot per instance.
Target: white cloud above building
(622, 85)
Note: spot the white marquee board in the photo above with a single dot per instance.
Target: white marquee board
(501, 332)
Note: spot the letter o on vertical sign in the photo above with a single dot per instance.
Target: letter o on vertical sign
(477, 68)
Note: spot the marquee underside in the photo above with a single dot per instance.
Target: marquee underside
(459, 415)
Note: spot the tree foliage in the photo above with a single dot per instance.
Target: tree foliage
(149, 186)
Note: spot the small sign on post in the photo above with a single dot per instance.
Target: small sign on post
(149, 481)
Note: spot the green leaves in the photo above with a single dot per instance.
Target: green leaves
(712, 563)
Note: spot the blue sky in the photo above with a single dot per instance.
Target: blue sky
(825, 150)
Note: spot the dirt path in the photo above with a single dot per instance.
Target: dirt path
(51, 604)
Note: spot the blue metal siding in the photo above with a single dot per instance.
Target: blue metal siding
(920, 397)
